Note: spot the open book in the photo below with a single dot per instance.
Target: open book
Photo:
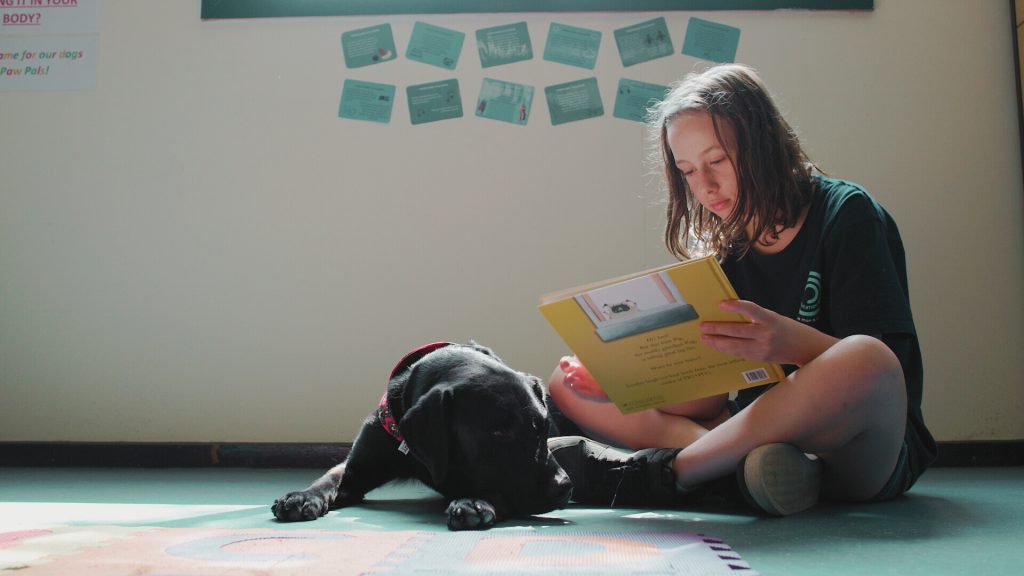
(638, 335)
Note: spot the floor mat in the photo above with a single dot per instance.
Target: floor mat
(124, 551)
(954, 521)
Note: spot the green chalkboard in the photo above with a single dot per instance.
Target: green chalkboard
(219, 9)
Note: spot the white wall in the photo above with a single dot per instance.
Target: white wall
(200, 250)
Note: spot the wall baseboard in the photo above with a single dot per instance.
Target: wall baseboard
(980, 453)
(325, 455)
(165, 455)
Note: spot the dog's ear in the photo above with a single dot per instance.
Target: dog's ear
(425, 429)
(537, 387)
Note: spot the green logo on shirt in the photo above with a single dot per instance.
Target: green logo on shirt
(810, 306)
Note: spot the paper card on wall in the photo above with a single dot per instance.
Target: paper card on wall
(633, 98)
(48, 63)
(366, 101)
(37, 18)
(574, 101)
(368, 46)
(434, 101)
(505, 101)
(573, 46)
(644, 41)
(504, 44)
(435, 45)
(711, 41)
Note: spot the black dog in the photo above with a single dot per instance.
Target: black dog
(461, 421)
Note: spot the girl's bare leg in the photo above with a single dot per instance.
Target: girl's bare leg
(848, 406)
(585, 404)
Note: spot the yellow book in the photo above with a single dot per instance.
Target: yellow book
(638, 335)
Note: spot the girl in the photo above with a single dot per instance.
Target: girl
(819, 268)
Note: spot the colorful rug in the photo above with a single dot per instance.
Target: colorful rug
(134, 551)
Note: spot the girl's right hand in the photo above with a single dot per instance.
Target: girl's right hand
(768, 336)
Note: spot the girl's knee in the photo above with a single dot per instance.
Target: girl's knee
(873, 355)
(869, 361)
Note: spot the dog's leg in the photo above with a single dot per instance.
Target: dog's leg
(313, 502)
(471, 514)
(373, 460)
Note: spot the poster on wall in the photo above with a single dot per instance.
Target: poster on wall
(370, 101)
(504, 44)
(505, 101)
(572, 45)
(48, 45)
(574, 101)
(633, 98)
(711, 40)
(435, 45)
(434, 101)
(644, 41)
(368, 46)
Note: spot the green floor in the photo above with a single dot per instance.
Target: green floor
(955, 521)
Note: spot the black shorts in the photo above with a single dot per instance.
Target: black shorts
(901, 479)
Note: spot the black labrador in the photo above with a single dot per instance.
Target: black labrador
(457, 418)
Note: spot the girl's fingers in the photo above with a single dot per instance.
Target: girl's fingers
(731, 329)
(751, 311)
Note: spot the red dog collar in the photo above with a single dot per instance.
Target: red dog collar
(417, 353)
(387, 419)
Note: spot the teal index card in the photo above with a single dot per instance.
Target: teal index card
(573, 46)
(435, 45)
(434, 101)
(504, 44)
(574, 101)
(367, 46)
(711, 41)
(644, 41)
(366, 101)
(633, 98)
(505, 101)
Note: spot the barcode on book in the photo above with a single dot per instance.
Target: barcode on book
(754, 376)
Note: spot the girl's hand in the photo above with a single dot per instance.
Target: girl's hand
(580, 381)
(769, 337)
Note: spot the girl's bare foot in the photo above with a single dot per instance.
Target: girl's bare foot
(580, 381)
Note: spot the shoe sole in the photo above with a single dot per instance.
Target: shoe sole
(780, 479)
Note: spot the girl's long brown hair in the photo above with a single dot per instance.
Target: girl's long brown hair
(772, 170)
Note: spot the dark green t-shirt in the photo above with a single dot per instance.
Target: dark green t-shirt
(844, 273)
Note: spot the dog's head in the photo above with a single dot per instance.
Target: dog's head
(480, 429)
(619, 308)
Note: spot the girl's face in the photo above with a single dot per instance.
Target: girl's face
(703, 162)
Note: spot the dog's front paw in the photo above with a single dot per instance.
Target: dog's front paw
(300, 506)
(470, 514)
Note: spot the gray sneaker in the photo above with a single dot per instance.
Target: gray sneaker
(779, 479)
(606, 476)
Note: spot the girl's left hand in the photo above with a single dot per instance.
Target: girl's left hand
(768, 337)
